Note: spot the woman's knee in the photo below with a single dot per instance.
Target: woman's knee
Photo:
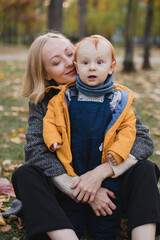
(149, 169)
(22, 173)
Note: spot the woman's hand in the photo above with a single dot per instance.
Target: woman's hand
(102, 204)
(86, 186)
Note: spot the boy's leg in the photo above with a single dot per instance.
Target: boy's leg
(107, 227)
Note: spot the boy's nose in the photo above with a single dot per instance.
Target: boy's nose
(92, 67)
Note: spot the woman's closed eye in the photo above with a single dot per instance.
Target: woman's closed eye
(56, 63)
(70, 54)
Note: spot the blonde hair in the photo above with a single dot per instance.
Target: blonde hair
(95, 40)
(34, 81)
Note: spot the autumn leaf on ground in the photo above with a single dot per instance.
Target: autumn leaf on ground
(157, 134)
(1, 75)
(5, 228)
(2, 220)
(157, 153)
(6, 188)
(7, 170)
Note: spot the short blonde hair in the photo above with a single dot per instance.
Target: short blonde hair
(95, 40)
(34, 81)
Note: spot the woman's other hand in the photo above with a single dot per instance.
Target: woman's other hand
(102, 204)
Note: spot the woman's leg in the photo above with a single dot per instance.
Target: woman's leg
(141, 198)
(42, 212)
(146, 231)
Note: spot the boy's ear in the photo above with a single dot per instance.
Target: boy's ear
(111, 69)
(75, 64)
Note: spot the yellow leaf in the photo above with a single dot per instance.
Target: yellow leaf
(157, 134)
(1, 75)
(21, 130)
(2, 221)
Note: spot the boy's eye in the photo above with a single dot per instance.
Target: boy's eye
(85, 62)
(99, 62)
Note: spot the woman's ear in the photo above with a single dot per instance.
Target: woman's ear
(47, 77)
(75, 64)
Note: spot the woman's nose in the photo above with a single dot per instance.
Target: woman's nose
(69, 62)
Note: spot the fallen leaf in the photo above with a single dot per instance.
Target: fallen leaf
(1, 108)
(6, 188)
(157, 134)
(5, 228)
(21, 130)
(1, 75)
(157, 153)
(2, 220)
(16, 140)
(6, 162)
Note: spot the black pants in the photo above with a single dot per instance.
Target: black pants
(42, 212)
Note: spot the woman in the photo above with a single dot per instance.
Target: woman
(51, 57)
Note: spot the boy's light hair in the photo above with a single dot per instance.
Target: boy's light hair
(95, 40)
(34, 81)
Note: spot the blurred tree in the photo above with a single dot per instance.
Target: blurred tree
(147, 32)
(20, 20)
(82, 18)
(55, 15)
(128, 65)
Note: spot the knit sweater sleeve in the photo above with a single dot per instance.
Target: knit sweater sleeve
(143, 144)
(36, 152)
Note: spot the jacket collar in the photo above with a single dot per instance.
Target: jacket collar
(60, 87)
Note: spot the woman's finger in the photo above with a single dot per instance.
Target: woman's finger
(75, 184)
(85, 198)
(80, 196)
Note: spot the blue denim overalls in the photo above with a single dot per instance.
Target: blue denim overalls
(88, 124)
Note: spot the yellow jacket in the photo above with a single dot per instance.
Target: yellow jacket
(119, 136)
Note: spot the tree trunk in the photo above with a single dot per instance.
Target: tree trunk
(128, 65)
(55, 15)
(82, 16)
(147, 31)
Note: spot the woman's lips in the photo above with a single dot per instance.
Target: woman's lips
(71, 72)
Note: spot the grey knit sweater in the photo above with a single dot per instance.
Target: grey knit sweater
(36, 152)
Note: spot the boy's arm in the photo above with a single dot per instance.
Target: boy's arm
(124, 139)
(51, 134)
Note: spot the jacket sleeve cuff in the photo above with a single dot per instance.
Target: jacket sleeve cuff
(117, 157)
(123, 167)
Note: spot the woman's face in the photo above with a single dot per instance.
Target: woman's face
(57, 57)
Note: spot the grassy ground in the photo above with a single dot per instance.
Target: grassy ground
(14, 114)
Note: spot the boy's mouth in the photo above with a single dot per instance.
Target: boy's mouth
(91, 76)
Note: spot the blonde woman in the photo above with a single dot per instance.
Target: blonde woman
(50, 62)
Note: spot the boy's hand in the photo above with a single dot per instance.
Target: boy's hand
(55, 146)
(102, 204)
(111, 159)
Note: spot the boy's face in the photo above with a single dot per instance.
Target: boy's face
(93, 65)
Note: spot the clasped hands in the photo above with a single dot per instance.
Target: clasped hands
(87, 188)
